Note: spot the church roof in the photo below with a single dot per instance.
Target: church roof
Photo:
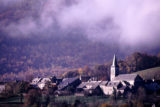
(126, 77)
(114, 63)
(104, 83)
(113, 84)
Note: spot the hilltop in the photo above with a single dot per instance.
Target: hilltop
(150, 73)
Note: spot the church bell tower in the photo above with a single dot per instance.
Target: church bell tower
(114, 68)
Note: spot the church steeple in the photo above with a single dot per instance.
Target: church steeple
(114, 68)
(114, 63)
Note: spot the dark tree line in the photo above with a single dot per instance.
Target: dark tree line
(133, 63)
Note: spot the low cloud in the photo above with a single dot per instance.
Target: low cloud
(124, 22)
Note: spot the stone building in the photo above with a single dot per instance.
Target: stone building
(131, 79)
(90, 88)
(69, 82)
(41, 82)
(114, 69)
(2, 87)
(120, 82)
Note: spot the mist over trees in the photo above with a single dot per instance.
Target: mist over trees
(132, 63)
(38, 36)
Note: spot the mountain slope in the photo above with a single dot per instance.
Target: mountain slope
(19, 55)
(41, 50)
(150, 73)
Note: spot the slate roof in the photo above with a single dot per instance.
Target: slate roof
(92, 84)
(65, 82)
(122, 88)
(36, 80)
(114, 63)
(44, 80)
(113, 84)
(104, 83)
(82, 85)
(152, 86)
(125, 77)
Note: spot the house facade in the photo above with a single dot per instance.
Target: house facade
(2, 87)
(66, 82)
(90, 88)
(41, 82)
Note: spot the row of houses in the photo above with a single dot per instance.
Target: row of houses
(121, 83)
(41, 82)
(76, 86)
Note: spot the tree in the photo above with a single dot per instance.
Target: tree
(22, 87)
(102, 71)
(141, 94)
(71, 89)
(129, 98)
(10, 89)
(50, 88)
(105, 105)
(114, 95)
(80, 71)
(119, 94)
(139, 97)
(46, 100)
(33, 98)
(140, 61)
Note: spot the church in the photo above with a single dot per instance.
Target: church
(120, 82)
(132, 79)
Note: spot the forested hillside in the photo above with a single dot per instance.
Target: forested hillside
(33, 42)
(46, 49)
(132, 63)
(19, 55)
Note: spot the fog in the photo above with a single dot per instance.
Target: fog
(124, 22)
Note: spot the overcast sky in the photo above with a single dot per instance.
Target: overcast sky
(127, 22)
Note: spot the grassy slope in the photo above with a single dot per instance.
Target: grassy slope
(150, 73)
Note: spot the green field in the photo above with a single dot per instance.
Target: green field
(150, 73)
(87, 99)
(71, 99)
(12, 100)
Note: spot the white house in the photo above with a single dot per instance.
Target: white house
(2, 87)
(35, 81)
(110, 86)
(41, 82)
(92, 87)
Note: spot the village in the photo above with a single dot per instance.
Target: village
(79, 53)
(119, 85)
(81, 86)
